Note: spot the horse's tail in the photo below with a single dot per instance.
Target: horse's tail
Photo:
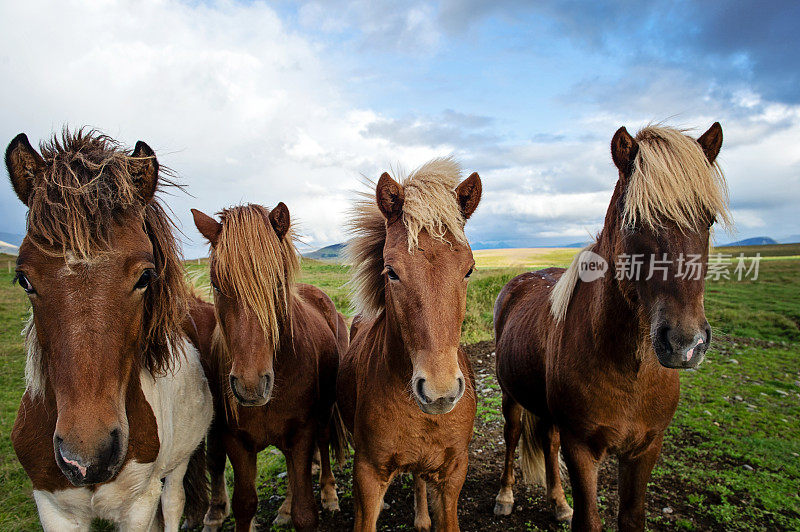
(532, 452)
(195, 487)
(339, 438)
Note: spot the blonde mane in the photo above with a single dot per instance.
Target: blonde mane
(255, 266)
(561, 293)
(673, 180)
(430, 204)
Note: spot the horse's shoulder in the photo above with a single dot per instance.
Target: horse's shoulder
(319, 301)
(199, 324)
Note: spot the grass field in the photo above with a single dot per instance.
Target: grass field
(732, 454)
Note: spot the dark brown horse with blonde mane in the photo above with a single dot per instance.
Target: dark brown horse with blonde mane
(587, 361)
(275, 347)
(116, 400)
(406, 388)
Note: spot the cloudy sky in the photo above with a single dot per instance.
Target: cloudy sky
(267, 102)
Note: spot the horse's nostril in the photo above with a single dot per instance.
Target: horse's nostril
(420, 389)
(663, 337)
(265, 384)
(460, 388)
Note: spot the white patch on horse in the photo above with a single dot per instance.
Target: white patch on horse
(181, 404)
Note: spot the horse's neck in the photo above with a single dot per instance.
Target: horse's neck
(395, 352)
(614, 322)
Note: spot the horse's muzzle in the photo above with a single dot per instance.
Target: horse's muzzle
(256, 395)
(83, 471)
(681, 350)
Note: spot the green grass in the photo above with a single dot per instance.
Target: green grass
(731, 414)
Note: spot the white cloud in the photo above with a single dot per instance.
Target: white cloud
(240, 106)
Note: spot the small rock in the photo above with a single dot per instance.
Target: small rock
(796, 455)
(519, 508)
(667, 510)
(748, 467)
(738, 397)
(782, 392)
(754, 407)
(282, 474)
(708, 413)
(733, 361)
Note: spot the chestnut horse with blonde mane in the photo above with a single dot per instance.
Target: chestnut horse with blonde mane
(406, 388)
(588, 362)
(116, 400)
(275, 348)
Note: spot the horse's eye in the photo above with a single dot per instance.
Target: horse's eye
(144, 281)
(24, 283)
(469, 273)
(390, 273)
(215, 287)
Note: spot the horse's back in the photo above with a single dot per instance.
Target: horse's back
(522, 321)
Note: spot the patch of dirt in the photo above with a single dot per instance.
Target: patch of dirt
(476, 503)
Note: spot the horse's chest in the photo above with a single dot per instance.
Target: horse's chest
(617, 418)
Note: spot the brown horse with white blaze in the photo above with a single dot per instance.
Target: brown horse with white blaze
(116, 399)
(588, 362)
(275, 353)
(406, 388)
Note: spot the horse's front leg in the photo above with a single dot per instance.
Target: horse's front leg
(173, 498)
(327, 482)
(245, 497)
(284, 517)
(422, 518)
(447, 494)
(582, 466)
(304, 507)
(220, 505)
(634, 472)
(369, 487)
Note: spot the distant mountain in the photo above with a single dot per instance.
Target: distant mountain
(332, 253)
(10, 249)
(11, 238)
(577, 245)
(755, 241)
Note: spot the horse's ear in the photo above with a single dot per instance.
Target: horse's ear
(390, 196)
(279, 219)
(711, 141)
(144, 170)
(208, 226)
(23, 163)
(468, 193)
(623, 150)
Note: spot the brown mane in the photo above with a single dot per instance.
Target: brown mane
(256, 266)
(86, 187)
(430, 204)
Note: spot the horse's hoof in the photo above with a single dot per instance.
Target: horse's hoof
(331, 506)
(282, 520)
(503, 508)
(564, 514)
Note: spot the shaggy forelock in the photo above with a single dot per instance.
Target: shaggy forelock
(254, 265)
(85, 188)
(430, 205)
(672, 180)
